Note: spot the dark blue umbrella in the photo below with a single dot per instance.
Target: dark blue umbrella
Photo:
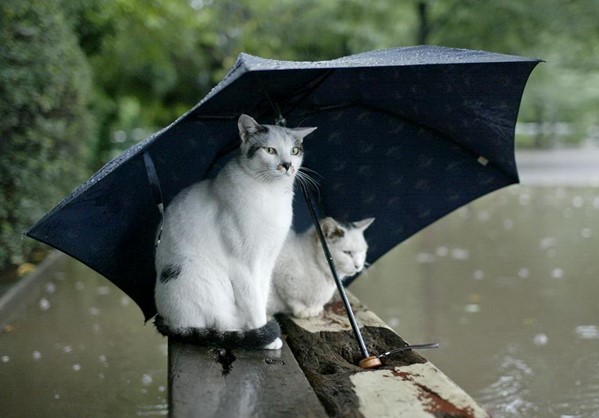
(404, 135)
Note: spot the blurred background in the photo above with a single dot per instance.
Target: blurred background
(82, 80)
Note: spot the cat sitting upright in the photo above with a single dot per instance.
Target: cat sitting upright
(302, 281)
(220, 240)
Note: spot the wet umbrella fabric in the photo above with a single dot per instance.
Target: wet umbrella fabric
(404, 135)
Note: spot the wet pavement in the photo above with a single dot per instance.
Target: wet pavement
(78, 347)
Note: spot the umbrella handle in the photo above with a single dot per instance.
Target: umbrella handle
(368, 361)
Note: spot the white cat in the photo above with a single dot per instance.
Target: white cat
(302, 281)
(220, 241)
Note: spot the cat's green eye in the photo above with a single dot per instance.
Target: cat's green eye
(295, 150)
(270, 150)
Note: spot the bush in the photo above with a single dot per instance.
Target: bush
(45, 124)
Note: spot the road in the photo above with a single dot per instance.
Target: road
(564, 167)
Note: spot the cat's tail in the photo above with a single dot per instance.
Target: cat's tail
(252, 339)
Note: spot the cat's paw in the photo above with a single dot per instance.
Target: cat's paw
(275, 345)
(308, 312)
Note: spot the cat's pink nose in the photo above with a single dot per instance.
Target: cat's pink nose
(286, 166)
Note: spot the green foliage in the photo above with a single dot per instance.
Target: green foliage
(166, 54)
(45, 128)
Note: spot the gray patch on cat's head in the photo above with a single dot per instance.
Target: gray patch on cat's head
(252, 150)
(270, 151)
(331, 229)
(347, 244)
(249, 128)
(169, 272)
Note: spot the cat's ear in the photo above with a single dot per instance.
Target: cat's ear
(301, 133)
(249, 127)
(363, 224)
(331, 229)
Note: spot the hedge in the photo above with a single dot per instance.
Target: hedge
(46, 127)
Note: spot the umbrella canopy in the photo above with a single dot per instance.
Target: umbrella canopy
(405, 135)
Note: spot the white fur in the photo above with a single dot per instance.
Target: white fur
(302, 281)
(226, 234)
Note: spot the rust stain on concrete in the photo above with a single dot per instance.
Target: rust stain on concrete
(418, 390)
(436, 405)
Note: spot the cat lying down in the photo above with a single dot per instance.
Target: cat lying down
(302, 281)
(220, 240)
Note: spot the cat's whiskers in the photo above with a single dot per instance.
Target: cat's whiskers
(313, 181)
(364, 273)
(305, 179)
(268, 174)
(265, 174)
(311, 171)
(367, 269)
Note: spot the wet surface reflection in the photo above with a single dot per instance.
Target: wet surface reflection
(509, 287)
(79, 348)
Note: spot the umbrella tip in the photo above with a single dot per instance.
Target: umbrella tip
(371, 362)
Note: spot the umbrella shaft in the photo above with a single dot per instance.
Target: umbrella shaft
(327, 253)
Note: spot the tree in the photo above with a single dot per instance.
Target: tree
(45, 126)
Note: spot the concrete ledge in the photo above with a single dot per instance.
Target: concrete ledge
(219, 383)
(318, 362)
(406, 386)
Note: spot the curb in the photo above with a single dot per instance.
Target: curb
(12, 298)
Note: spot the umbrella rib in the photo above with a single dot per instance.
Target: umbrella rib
(308, 89)
(304, 91)
(275, 105)
(215, 117)
(279, 119)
